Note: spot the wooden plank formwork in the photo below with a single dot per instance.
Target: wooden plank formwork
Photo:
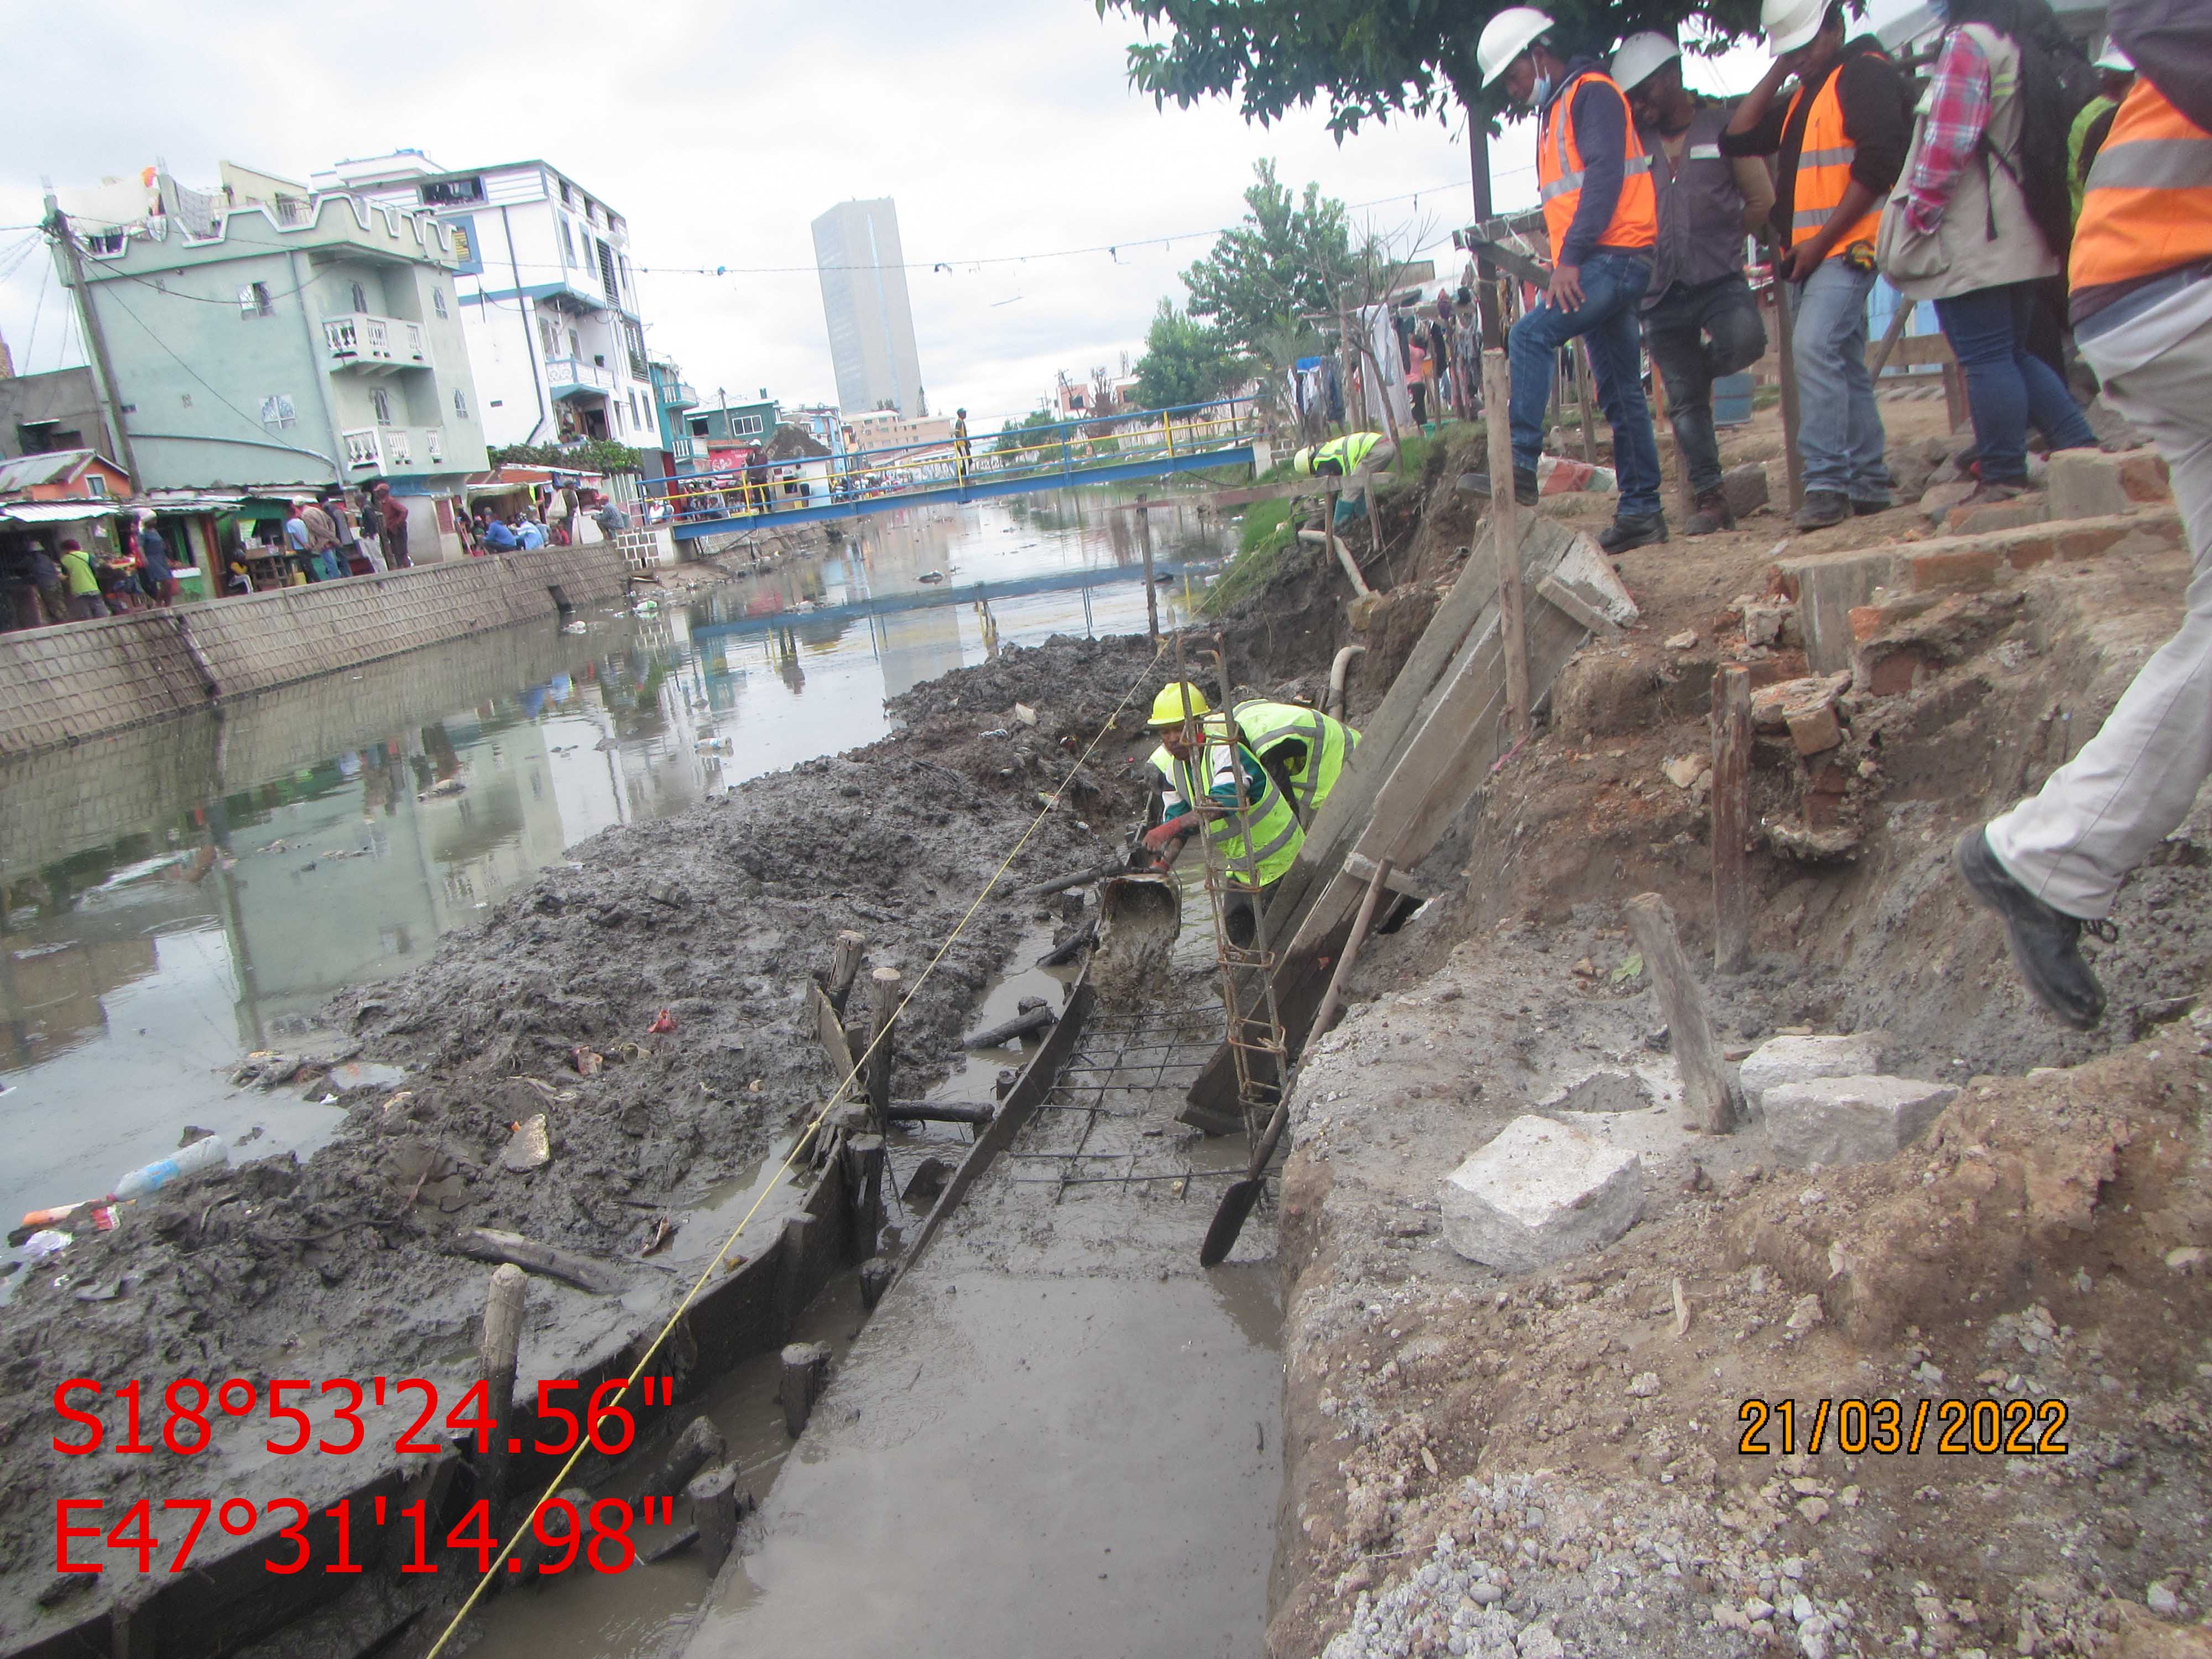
(1443, 725)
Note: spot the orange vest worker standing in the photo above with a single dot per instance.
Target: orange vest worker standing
(1603, 218)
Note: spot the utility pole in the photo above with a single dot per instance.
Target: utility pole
(1485, 287)
(103, 372)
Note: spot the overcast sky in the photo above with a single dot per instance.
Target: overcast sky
(1001, 129)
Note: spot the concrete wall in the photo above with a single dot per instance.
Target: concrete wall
(62, 685)
(63, 397)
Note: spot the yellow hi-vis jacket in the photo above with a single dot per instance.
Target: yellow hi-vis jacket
(1267, 726)
(1259, 845)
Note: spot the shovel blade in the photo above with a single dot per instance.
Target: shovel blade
(1229, 1220)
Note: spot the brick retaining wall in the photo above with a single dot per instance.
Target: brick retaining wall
(61, 685)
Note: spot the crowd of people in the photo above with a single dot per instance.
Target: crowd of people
(40, 587)
(1964, 198)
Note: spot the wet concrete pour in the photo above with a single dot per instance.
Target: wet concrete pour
(1057, 1433)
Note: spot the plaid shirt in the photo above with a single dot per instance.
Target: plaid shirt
(1957, 114)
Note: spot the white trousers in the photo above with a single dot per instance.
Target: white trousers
(2101, 814)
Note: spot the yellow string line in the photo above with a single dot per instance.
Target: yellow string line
(835, 1099)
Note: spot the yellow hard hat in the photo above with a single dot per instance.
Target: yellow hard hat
(1176, 703)
(1303, 462)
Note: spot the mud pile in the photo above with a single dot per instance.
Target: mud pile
(339, 1265)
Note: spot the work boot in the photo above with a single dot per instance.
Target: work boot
(1822, 508)
(1525, 485)
(1633, 530)
(1710, 514)
(2046, 942)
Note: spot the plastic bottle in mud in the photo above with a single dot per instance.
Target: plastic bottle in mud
(200, 1155)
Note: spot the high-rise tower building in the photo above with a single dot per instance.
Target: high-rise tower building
(864, 301)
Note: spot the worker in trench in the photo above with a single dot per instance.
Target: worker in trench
(1304, 750)
(1199, 771)
(1356, 457)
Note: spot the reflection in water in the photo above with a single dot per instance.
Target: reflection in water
(182, 893)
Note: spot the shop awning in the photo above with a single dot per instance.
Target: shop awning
(56, 512)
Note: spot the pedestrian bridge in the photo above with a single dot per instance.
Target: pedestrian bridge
(1145, 444)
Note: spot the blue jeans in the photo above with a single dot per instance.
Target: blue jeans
(1612, 289)
(1839, 429)
(2007, 386)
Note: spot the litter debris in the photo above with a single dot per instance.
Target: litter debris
(1026, 714)
(204, 1154)
(529, 1148)
(40, 1245)
(662, 1025)
(588, 1062)
(445, 786)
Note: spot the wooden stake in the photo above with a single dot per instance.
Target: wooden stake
(1583, 411)
(1151, 593)
(864, 1179)
(1704, 1084)
(1731, 819)
(1506, 533)
(844, 964)
(715, 1508)
(875, 1278)
(700, 1444)
(884, 991)
(805, 1364)
(1783, 331)
(498, 1355)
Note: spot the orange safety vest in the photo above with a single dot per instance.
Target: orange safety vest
(1824, 170)
(1560, 175)
(2147, 207)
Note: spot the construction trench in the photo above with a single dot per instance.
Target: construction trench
(1036, 1423)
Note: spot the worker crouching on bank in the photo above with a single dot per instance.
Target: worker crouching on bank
(1209, 784)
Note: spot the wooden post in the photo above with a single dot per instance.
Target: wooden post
(875, 1278)
(1583, 411)
(864, 1179)
(1349, 368)
(844, 965)
(1731, 819)
(1506, 533)
(791, 1270)
(805, 1364)
(1704, 1085)
(884, 989)
(498, 1355)
(1782, 330)
(700, 1444)
(1151, 593)
(714, 1512)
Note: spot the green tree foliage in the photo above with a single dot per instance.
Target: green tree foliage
(1185, 360)
(1019, 434)
(1369, 58)
(1289, 258)
(595, 455)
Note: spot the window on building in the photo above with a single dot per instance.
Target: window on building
(698, 424)
(630, 283)
(549, 336)
(567, 242)
(447, 192)
(95, 485)
(277, 412)
(591, 211)
(104, 241)
(607, 273)
(381, 401)
(575, 346)
(360, 297)
(618, 420)
(568, 199)
(634, 339)
(464, 250)
(744, 426)
(253, 300)
(438, 300)
(460, 404)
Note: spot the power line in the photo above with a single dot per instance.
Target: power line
(250, 420)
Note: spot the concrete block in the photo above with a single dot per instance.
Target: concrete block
(1959, 566)
(1540, 1193)
(1850, 1120)
(2087, 483)
(1746, 488)
(1803, 1059)
(1989, 517)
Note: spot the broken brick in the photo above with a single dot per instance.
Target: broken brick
(1992, 516)
(1964, 567)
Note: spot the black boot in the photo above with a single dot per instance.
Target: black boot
(1822, 508)
(1525, 485)
(2046, 943)
(1710, 514)
(1632, 530)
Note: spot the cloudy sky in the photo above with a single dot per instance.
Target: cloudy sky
(1005, 129)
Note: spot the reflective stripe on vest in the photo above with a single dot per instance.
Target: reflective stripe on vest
(2147, 205)
(1328, 745)
(1824, 170)
(1560, 172)
(1272, 846)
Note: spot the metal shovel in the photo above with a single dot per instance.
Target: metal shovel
(1236, 1203)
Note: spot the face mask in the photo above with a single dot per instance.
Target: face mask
(1543, 90)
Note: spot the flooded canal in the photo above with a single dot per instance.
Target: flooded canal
(177, 896)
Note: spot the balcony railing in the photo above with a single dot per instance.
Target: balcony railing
(381, 345)
(376, 449)
(684, 449)
(677, 394)
(570, 377)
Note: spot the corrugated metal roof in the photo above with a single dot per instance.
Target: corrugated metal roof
(50, 468)
(56, 512)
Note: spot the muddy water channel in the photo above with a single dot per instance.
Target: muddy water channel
(177, 896)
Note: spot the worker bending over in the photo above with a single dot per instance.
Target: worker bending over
(1602, 216)
(1304, 750)
(1199, 773)
(1356, 457)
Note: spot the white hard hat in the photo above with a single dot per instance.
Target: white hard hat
(1506, 36)
(1790, 24)
(2114, 58)
(1639, 55)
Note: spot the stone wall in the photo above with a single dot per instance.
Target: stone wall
(62, 685)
